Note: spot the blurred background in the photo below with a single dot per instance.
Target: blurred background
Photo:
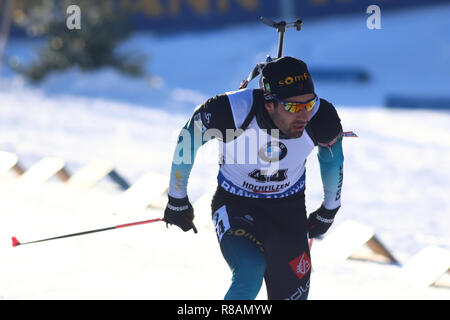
(404, 63)
(117, 79)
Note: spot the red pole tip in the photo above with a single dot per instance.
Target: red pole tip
(15, 242)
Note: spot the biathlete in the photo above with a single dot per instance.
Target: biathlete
(265, 136)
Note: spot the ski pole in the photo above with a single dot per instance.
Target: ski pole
(16, 242)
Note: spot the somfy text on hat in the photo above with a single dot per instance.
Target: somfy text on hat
(286, 77)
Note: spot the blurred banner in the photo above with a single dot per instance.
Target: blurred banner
(181, 15)
(319, 8)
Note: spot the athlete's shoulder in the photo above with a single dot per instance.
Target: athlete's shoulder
(242, 102)
(325, 124)
(229, 110)
(215, 113)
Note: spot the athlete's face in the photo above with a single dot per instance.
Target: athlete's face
(291, 124)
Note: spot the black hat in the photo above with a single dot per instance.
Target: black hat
(286, 77)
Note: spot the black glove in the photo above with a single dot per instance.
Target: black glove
(320, 221)
(180, 213)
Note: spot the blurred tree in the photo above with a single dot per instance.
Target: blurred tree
(5, 24)
(93, 45)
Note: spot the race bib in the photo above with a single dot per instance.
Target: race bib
(221, 222)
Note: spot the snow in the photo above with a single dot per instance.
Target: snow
(395, 179)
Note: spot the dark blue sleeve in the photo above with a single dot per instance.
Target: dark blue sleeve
(325, 126)
(325, 130)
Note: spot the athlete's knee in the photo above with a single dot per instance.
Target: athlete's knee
(247, 263)
(247, 281)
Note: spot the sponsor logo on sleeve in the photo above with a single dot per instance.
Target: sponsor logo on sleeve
(199, 123)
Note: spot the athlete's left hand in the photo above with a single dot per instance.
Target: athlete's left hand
(320, 221)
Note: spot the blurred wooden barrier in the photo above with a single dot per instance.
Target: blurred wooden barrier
(9, 161)
(352, 240)
(430, 267)
(94, 171)
(148, 191)
(145, 192)
(43, 170)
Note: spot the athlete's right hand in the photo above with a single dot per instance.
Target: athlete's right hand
(180, 213)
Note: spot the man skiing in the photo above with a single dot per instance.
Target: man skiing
(265, 136)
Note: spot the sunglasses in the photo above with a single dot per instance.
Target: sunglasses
(293, 106)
